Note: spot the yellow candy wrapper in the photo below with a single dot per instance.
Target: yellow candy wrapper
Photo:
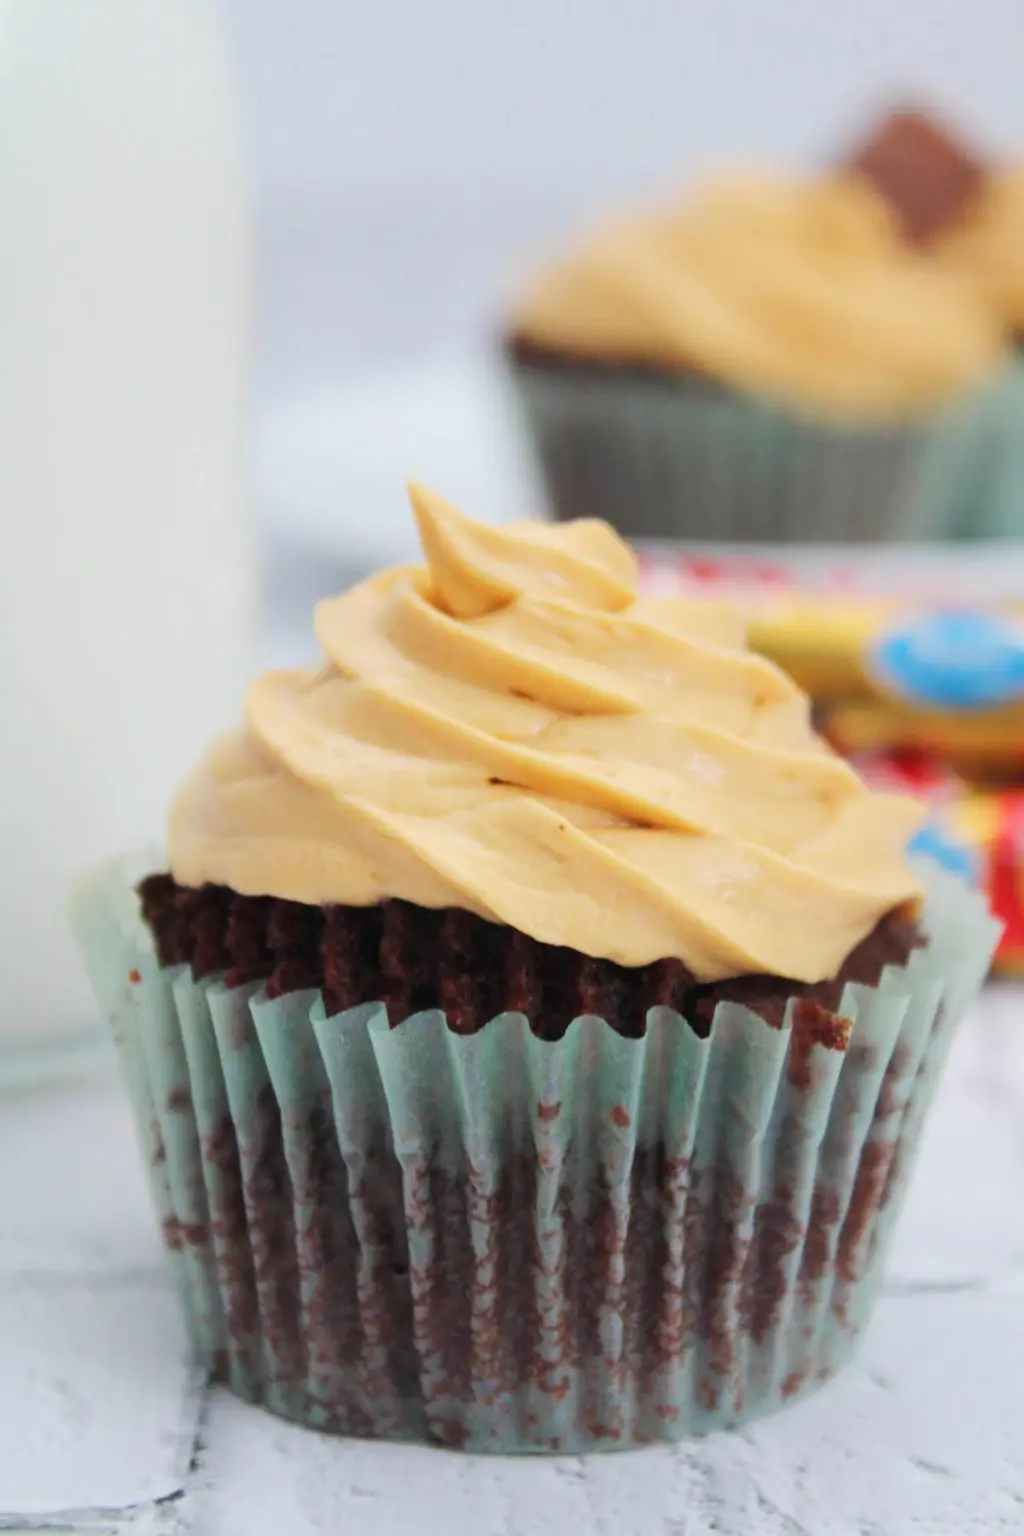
(924, 655)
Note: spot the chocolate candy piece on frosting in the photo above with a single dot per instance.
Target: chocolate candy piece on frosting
(926, 175)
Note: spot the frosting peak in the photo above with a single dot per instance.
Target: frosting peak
(511, 730)
(475, 569)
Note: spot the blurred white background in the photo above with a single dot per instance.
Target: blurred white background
(407, 155)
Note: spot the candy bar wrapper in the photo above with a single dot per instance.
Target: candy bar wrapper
(895, 675)
(666, 458)
(976, 743)
(954, 658)
(505, 1244)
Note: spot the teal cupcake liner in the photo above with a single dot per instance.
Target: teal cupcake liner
(508, 1244)
(973, 473)
(687, 459)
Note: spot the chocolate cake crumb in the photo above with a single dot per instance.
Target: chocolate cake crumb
(414, 959)
(813, 1025)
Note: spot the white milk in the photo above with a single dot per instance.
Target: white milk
(125, 577)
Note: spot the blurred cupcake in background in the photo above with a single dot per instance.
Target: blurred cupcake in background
(771, 358)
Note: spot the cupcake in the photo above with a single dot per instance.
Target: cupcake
(530, 1031)
(770, 358)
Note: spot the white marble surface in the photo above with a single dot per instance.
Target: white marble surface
(102, 1427)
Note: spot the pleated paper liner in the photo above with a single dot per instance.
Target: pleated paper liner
(661, 458)
(503, 1243)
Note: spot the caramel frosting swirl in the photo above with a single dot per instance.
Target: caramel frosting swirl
(511, 730)
(804, 291)
(986, 244)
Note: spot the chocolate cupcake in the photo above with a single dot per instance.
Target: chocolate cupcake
(770, 359)
(530, 1035)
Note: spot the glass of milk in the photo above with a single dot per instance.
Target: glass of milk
(125, 551)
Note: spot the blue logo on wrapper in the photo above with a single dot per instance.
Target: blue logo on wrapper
(934, 842)
(955, 659)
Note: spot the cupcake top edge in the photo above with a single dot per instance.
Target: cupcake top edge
(511, 729)
(800, 290)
